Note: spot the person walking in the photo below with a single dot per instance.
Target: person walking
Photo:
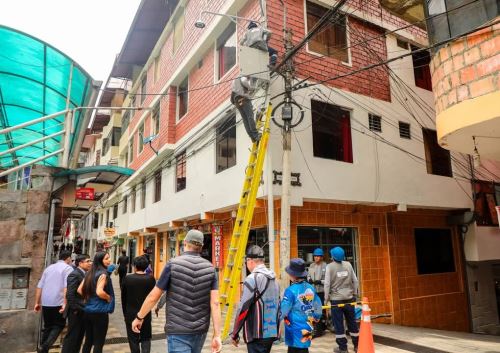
(135, 289)
(192, 296)
(300, 308)
(123, 262)
(316, 276)
(97, 291)
(258, 311)
(74, 306)
(50, 299)
(341, 287)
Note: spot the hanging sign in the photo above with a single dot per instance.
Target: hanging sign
(217, 256)
(109, 232)
(85, 194)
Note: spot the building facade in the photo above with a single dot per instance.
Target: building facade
(368, 173)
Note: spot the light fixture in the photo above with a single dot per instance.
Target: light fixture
(199, 24)
(476, 158)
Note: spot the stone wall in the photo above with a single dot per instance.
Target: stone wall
(24, 220)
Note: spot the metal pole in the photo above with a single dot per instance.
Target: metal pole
(15, 169)
(270, 212)
(67, 139)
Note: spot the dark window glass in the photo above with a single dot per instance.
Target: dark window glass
(180, 172)
(132, 200)
(226, 144)
(115, 211)
(157, 195)
(182, 98)
(125, 204)
(331, 126)
(143, 194)
(95, 221)
(226, 50)
(375, 122)
(105, 146)
(421, 69)
(114, 136)
(438, 159)
(332, 40)
(434, 249)
(486, 196)
(144, 83)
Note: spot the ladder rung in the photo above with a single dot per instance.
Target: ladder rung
(223, 295)
(227, 280)
(233, 249)
(230, 264)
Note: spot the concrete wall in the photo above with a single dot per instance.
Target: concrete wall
(24, 218)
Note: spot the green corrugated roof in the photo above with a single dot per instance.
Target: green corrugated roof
(34, 81)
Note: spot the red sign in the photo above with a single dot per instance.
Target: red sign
(217, 256)
(85, 194)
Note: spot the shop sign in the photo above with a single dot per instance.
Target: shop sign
(85, 194)
(217, 257)
(109, 232)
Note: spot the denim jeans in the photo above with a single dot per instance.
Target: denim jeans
(338, 314)
(185, 343)
(245, 107)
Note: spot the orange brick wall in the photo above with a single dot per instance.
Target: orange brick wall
(466, 68)
(388, 272)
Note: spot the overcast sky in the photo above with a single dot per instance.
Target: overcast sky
(89, 31)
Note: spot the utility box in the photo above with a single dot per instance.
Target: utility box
(254, 62)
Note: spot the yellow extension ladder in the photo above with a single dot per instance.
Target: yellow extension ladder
(232, 270)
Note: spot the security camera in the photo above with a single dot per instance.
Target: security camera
(199, 24)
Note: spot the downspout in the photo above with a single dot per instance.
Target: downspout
(270, 212)
(50, 236)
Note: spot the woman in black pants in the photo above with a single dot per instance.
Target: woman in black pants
(97, 291)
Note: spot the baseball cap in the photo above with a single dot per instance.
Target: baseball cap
(194, 236)
(255, 252)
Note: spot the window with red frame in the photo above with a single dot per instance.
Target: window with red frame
(421, 69)
(180, 172)
(331, 126)
(486, 197)
(226, 50)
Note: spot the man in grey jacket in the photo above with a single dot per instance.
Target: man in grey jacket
(341, 287)
(316, 276)
(258, 311)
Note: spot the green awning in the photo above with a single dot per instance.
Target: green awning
(34, 82)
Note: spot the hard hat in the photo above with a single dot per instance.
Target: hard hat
(252, 24)
(318, 252)
(337, 253)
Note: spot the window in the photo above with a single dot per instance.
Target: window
(141, 138)
(180, 172)
(95, 220)
(332, 40)
(226, 50)
(105, 146)
(101, 219)
(404, 130)
(115, 211)
(182, 98)
(156, 69)
(375, 122)
(486, 196)
(438, 159)
(421, 69)
(376, 236)
(155, 119)
(143, 194)
(157, 195)
(125, 204)
(132, 200)
(434, 249)
(144, 83)
(114, 136)
(125, 121)
(331, 126)
(226, 144)
(178, 34)
(402, 44)
(107, 217)
(131, 151)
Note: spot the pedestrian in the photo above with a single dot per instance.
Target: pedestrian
(74, 306)
(97, 291)
(258, 311)
(192, 294)
(135, 289)
(49, 298)
(341, 287)
(300, 308)
(316, 276)
(123, 262)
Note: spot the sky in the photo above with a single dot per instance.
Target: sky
(91, 32)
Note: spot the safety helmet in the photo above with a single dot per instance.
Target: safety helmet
(318, 252)
(251, 25)
(337, 253)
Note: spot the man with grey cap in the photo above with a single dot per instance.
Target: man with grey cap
(258, 311)
(192, 296)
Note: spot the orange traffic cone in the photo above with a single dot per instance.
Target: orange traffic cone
(365, 332)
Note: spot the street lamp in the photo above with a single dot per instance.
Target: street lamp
(201, 24)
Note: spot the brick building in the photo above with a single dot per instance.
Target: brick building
(371, 176)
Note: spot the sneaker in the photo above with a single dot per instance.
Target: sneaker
(338, 350)
(257, 139)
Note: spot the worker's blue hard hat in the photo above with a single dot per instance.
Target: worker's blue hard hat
(337, 253)
(318, 252)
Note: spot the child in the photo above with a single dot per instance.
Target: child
(300, 309)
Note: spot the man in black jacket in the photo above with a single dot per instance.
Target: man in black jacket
(123, 262)
(74, 306)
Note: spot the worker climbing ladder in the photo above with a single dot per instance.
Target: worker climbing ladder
(232, 270)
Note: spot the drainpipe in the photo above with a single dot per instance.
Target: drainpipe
(270, 211)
